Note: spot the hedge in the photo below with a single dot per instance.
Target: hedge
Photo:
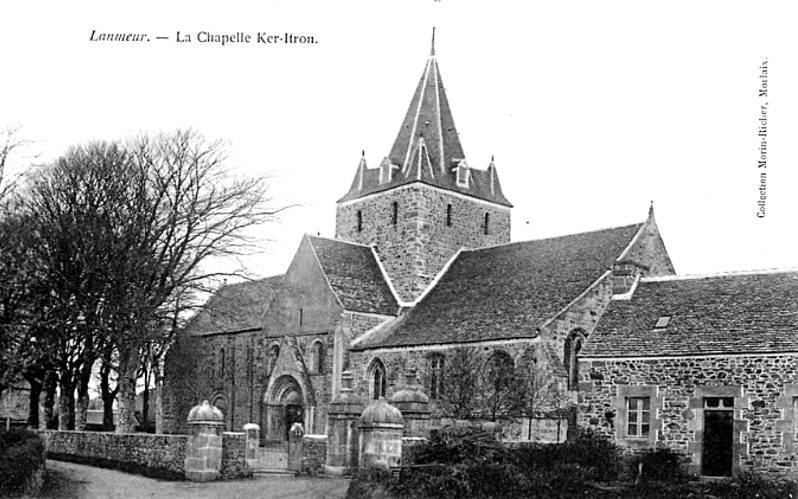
(21, 457)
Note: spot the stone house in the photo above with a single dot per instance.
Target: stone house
(704, 365)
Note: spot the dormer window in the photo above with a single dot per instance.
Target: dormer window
(386, 171)
(662, 322)
(463, 174)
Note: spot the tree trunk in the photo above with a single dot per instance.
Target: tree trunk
(33, 401)
(83, 394)
(71, 410)
(145, 399)
(49, 400)
(159, 419)
(66, 400)
(128, 370)
(108, 396)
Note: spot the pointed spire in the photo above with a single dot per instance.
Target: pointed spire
(492, 173)
(427, 148)
(361, 173)
(429, 112)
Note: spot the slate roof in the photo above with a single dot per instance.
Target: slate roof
(427, 149)
(235, 307)
(724, 314)
(506, 291)
(355, 276)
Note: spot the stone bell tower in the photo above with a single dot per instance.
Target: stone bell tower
(424, 202)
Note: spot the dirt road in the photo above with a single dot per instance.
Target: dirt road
(75, 481)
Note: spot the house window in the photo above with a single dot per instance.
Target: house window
(448, 215)
(395, 216)
(573, 344)
(274, 352)
(462, 174)
(719, 403)
(436, 362)
(220, 402)
(359, 221)
(795, 418)
(301, 317)
(500, 371)
(487, 223)
(379, 383)
(638, 417)
(318, 357)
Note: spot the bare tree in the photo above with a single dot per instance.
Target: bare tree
(541, 392)
(10, 144)
(122, 234)
(15, 268)
(75, 205)
(499, 387)
(459, 393)
(196, 209)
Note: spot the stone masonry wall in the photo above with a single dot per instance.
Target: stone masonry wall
(234, 459)
(649, 250)
(764, 390)
(159, 455)
(398, 361)
(314, 454)
(415, 249)
(582, 316)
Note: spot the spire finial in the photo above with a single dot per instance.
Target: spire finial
(363, 153)
(432, 49)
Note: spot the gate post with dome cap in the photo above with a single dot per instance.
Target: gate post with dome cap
(342, 434)
(413, 403)
(381, 428)
(204, 452)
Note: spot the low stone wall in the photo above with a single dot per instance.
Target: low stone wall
(160, 456)
(234, 458)
(314, 454)
(411, 446)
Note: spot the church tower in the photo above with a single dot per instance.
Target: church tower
(424, 202)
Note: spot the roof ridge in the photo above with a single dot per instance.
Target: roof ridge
(334, 239)
(250, 281)
(728, 273)
(554, 237)
(323, 271)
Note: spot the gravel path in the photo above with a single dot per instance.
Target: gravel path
(76, 481)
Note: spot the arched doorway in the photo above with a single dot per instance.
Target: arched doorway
(294, 410)
(285, 405)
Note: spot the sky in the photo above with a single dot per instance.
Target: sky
(591, 109)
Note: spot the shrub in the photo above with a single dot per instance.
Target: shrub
(370, 483)
(752, 485)
(21, 455)
(660, 465)
(594, 456)
(457, 445)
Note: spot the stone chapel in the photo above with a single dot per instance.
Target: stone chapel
(422, 264)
